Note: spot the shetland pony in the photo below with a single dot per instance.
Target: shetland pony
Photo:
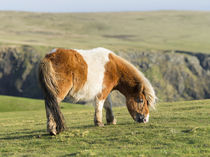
(92, 75)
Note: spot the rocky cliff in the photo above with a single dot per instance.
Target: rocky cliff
(18, 72)
(175, 75)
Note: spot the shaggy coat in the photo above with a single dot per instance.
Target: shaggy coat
(92, 75)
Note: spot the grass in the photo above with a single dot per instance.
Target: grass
(175, 129)
(159, 30)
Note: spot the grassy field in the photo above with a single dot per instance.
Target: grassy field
(175, 129)
(159, 30)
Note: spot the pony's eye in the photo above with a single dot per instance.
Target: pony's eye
(141, 101)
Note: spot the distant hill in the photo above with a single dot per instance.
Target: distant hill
(159, 30)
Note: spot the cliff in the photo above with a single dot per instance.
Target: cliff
(175, 75)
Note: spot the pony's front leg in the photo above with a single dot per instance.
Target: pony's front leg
(98, 112)
(109, 114)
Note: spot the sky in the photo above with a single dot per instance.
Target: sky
(102, 5)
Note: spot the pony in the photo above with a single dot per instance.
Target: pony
(91, 75)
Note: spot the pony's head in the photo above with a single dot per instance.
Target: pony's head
(138, 104)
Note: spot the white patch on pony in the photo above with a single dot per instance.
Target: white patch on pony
(52, 51)
(96, 60)
(101, 104)
(98, 111)
(146, 119)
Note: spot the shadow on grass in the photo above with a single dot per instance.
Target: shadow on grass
(28, 135)
(39, 134)
(80, 127)
(72, 154)
(105, 125)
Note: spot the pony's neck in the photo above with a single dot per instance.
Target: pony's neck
(131, 81)
(129, 78)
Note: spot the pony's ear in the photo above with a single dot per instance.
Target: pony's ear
(140, 88)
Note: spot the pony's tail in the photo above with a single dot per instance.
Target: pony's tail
(47, 80)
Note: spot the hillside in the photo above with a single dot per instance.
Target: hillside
(161, 30)
(175, 129)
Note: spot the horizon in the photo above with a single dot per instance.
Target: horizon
(79, 6)
(104, 11)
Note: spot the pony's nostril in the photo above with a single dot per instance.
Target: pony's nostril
(140, 118)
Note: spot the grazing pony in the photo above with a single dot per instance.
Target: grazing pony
(92, 75)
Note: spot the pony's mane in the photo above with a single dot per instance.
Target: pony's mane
(148, 89)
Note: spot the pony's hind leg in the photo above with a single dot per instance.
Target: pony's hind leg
(109, 114)
(55, 118)
(51, 124)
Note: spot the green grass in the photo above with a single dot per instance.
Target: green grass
(158, 30)
(175, 129)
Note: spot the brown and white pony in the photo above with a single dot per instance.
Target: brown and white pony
(92, 75)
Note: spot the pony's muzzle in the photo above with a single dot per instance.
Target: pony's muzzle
(140, 118)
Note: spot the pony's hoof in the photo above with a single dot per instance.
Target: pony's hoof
(114, 122)
(53, 133)
(99, 124)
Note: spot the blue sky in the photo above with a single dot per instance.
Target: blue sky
(103, 5)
